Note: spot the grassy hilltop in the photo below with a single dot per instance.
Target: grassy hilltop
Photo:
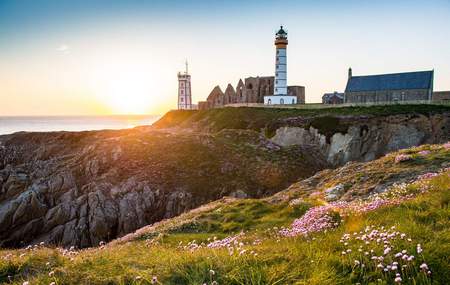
(381, 222)
(259, 118)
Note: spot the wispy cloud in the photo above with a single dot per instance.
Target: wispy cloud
(63, 48)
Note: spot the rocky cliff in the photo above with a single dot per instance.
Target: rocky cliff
(362, 138)
(339, 134)
(80, 188)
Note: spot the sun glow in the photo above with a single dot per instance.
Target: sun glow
(125, 88)
(128, 94)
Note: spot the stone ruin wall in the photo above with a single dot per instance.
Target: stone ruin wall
(252, 90)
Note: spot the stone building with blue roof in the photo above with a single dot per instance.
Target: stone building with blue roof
(395, 87)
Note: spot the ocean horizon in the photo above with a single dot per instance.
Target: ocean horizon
(13, 124)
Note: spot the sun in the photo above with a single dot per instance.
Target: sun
(125, 88)
(128, 95)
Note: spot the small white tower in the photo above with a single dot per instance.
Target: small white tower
(184, 90)
(280, 95)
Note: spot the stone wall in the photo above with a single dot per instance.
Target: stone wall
(203, 105)
(258, 87)
(229, 95)
(441, 96)
(298, 91)
(215, 98)
(387, 96)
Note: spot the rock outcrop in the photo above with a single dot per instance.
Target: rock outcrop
(82, 188)
(364, 138)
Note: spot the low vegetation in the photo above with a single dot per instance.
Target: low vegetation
(396, 234)
(260, 118)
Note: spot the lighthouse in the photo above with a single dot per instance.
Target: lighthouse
(280, 95)
(184, 90)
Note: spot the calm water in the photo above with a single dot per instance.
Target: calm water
(10, 125)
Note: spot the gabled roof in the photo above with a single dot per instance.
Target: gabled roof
(394, 81)
(337, 94)
(230, 89)
(214, 93)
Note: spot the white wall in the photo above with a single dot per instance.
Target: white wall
(277, 100)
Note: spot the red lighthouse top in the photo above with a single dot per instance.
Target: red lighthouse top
(281, 38)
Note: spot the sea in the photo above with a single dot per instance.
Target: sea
(9, 125)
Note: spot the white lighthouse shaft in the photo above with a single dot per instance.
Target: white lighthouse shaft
(280, 87)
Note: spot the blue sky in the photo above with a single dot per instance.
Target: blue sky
(98, 57)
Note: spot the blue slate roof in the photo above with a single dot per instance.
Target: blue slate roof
(394, 81)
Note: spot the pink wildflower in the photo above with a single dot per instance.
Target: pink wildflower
(427, 176)
(402, 157)
(226, 242)
(315, 219)
(446, 145)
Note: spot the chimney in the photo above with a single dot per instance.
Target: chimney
(349, 73)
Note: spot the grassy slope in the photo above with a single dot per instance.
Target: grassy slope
(155, 250)
(258, 118)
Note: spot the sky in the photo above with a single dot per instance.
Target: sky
(95, 57)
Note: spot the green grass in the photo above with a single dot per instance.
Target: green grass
(243, 215)
(316, 259)
(269, 118)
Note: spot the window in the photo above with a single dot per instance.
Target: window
(269, 101)
(182, 99)
(293, 101)
(277, 66)
(182, 84)
(276, 74)
(276, 81)
(281, 101)
(181, 91)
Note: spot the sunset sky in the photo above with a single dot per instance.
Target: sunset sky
(108, 57)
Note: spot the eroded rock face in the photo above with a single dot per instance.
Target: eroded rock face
(82, 188)
(334, 193)
(368, 138)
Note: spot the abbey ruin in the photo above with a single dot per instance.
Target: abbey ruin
(251, 90)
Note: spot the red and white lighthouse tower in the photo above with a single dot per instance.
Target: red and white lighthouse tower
(184, 90)
(280, 94)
